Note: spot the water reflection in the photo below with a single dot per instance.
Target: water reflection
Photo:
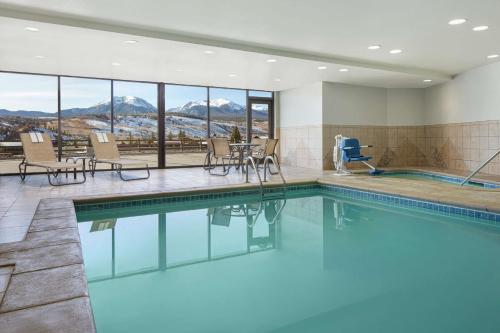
(119, 246)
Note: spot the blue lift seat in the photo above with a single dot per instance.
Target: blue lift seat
(351, 152)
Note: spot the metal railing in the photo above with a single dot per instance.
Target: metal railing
(479, 168)
(252, 160)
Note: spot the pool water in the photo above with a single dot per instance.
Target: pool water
(313, 262)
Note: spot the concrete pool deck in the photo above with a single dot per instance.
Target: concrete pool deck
(42, 280)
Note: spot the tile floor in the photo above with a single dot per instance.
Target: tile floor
(19, 200)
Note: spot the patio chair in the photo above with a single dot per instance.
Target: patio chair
(38, 152)
(106, 151)
(269, 150)
(222, 151)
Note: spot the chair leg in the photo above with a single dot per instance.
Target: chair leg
(224, 170)
(22, 173)
(51, 175)
(119, 170)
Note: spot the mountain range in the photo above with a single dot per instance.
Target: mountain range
(130, 105)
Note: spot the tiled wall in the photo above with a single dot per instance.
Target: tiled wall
(301, 146)
(460, 146)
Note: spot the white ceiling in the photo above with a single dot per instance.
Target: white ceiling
(301, 35)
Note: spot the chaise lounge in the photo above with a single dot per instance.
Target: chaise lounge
(38, 152)
(106, 151)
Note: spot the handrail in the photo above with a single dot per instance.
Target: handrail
(479, 168)
(266, 164)
(251, 159)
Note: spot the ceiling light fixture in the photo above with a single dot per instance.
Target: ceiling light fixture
(271, 60)
(374, 47)
(208, 52)
(395, 51)
(179, 70)
(130, 41)
(32, 29)
(115, 64)
(427, 81)
(40, 57)
(457, 21)
(322, 68)
(493, 56)
(480, 28)
(231, 75)
(344, 70)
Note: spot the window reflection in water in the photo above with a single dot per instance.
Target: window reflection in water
(123, 246)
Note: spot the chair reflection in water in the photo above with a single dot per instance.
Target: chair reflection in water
(261, 232)
(259, 219)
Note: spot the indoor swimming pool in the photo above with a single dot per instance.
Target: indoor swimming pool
(316, 259)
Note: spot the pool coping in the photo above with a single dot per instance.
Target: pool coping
(51, 252)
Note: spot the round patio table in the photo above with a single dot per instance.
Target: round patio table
(242, 148)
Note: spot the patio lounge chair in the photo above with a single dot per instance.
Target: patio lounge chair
(38, 152)
(106, 151)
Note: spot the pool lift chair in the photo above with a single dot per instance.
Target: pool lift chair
(347, 150)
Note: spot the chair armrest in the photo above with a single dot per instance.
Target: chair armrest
(347, 148)
(366, 146)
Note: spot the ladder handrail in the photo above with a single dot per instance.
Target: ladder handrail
(251, 159)
(266, 164)
(480, 167)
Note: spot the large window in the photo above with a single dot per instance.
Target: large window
(130, 110)
(228, 113)
(186, 127)
(85, 107)
(135, 120)
(27, 103)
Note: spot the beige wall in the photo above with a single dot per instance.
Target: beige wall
(453, 126)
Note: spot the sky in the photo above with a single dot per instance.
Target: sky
(39, 92)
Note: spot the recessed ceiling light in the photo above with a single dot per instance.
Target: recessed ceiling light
(32, 29)
(493, 56)
(457, 21)
(208, 52)
(179, 70)
(344, 70)
(427, 81)
(130, 41)
(231, 75)
(395, 51)
(271, 60)
(322, 67)
(277, 80)
(374, 47)
(40, 57)
(115, 64)
(480, 28)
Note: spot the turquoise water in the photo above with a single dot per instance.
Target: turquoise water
(314, 262)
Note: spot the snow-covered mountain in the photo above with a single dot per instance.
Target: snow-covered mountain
(121, 105)
(220, 108)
